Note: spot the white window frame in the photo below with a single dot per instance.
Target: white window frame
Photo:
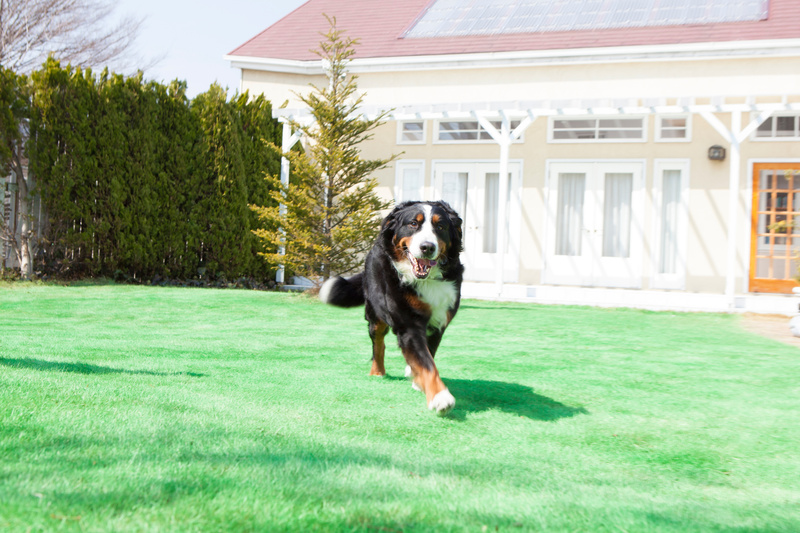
(660, 127)
(400, 131)
(399, 175)
(488, 140)
(754, 136)
(677, 280)
(551, 129)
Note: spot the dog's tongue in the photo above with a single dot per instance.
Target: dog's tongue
(422, 267)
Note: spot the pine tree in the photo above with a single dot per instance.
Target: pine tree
(332, 212)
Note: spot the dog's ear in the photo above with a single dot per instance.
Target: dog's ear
(455, 222)
(390, 222)
(389, 225)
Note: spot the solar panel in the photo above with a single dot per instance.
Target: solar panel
(451, 18)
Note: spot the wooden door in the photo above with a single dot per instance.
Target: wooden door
(775, 240)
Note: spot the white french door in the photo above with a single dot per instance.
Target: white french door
(594, 224)
(473, 190)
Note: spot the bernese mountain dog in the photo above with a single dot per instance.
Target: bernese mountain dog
(412, 284)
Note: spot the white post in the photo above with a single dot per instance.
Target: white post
(504, 137)
(734, 135)
(502, 211)
(733, 205)
(288, 139)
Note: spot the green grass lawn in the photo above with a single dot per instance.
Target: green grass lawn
(157, 409)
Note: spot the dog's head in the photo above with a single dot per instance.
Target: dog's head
(426, 235)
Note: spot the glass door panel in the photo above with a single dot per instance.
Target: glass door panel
(775, 247)
(617, 215)
(473, 190)
(594, 224)
(569, 214)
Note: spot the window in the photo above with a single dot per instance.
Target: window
(454, 131)
(779, 127)
(670, 192)
(673, 128)
(409, 181)
(597, 129)
(411, 132)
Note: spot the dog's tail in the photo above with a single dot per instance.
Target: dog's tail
(343, 292)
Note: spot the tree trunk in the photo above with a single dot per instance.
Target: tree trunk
(326, 265)
(25, 227)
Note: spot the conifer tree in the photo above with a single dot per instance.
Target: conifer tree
(332, 212)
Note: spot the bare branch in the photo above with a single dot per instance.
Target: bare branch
(72, 31)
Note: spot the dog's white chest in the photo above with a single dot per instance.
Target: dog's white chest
(440, 295)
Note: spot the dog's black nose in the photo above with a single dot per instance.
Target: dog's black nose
(427, 249)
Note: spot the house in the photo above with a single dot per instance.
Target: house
(652, 149)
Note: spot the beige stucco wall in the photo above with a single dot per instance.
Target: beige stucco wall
(708, 197)
(663, 79)
(709, 180)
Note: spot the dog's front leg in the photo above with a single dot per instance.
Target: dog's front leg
(414, 346)
(377, 332)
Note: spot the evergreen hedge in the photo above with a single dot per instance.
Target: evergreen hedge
(139, 181)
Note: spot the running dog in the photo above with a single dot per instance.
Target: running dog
(412, 284)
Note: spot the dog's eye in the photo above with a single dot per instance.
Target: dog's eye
(414, 224)
(439, 227)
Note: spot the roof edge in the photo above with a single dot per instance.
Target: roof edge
(612, 54)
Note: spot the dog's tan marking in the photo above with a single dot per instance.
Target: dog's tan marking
(442, 248)
(400, 248)
(378, 349)
(427, 380)
(418, 304)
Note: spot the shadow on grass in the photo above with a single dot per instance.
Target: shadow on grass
(83, 368)
(477, 395)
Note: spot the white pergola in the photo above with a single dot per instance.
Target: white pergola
(526, 112)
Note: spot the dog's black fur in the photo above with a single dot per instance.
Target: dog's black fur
(411, 285)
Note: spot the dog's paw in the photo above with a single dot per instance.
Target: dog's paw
(409, 373)
(442, 403)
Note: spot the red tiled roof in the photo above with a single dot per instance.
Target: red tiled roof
(380, 24)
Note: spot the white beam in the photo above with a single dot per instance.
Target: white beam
(516, 110)
(755, 123)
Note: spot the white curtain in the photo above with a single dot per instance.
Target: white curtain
(617, 215)
(670, 204)
(454, 192)
(412, 184)
(569, 214)
(491, 210)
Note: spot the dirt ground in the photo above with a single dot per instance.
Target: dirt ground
(772, 326)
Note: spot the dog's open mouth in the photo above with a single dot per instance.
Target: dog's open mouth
(421, 267)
